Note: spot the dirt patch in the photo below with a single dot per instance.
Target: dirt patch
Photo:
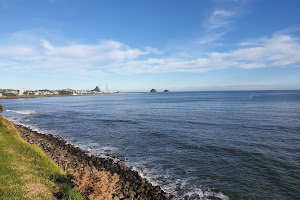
(9, 151)
(36, 191)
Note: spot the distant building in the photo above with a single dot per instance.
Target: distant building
(44, 92)
(15, 92)
(21, 91)
(0, 94)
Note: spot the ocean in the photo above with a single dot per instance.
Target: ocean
(196, 145)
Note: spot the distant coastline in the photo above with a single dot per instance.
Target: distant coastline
(33, 96)
(55, 95)
(22, 93)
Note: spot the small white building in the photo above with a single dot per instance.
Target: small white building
(12, 91)
(0, 94)
(21, 91)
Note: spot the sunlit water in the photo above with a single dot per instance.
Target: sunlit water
(236, 145)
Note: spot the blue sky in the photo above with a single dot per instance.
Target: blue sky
(136, 45)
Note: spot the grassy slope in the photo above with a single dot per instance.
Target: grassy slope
(26, 172)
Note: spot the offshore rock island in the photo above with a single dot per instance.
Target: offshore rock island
(154, 90)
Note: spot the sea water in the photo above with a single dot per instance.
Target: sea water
(230, 145)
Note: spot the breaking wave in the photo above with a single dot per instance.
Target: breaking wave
(23, 112)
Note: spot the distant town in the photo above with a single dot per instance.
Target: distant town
(22, 92)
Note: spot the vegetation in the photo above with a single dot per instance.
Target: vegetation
(27, 173)
(1, 108)
(9, 94)
(65, 92)
(96, 184)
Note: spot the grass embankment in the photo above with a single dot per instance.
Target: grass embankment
(27, 173)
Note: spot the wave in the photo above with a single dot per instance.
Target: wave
(31, 127)
(199, 194)
(172, 185)
(23, 112)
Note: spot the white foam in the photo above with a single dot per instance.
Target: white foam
(31, 127)
(199, 194)
(177, 187)
(93, 149)
(23, 112)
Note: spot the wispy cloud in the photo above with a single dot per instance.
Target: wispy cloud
(109, 56)
(219, 19)
(209, 38)
(276, 51)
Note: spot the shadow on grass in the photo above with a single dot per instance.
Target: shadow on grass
(67, 189)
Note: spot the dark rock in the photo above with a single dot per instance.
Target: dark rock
(153, 91)
(121, 196)
(131, 193)
(71, 158)
(97, 89)
(115, 198)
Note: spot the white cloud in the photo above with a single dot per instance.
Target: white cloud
(108, 56)
(209, 38)
(219, 18)
(46, 45)
(16, 52)
(153, 50)
(217, 25)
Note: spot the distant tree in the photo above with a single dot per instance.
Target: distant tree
(9, 94)
(1, 108)
(65, 92)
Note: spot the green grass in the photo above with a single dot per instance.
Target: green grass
(27, 173)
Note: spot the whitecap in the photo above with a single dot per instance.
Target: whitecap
(23, 112)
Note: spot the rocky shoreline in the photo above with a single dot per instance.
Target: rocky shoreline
(68, 157)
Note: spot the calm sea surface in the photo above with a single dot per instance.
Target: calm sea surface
(231, 145)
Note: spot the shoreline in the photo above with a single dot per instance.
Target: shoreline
(69, 157)
(56, 95)
(35, 96)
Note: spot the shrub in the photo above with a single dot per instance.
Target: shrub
(1, 108)
(65, 92)
(9, 94)
(96, 185)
